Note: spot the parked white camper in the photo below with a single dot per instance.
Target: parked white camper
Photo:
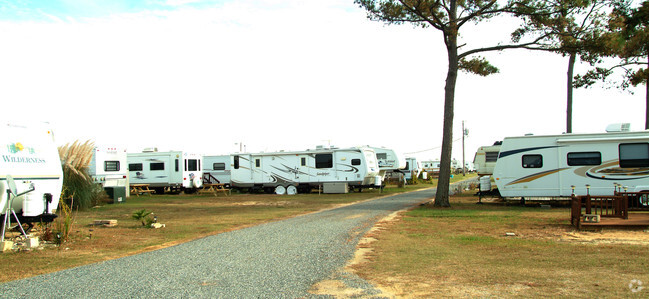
(108, 167)
(549, 166)
(469, 166)
(412, 168)
(217, 170)
(388, 160)
(30, 157)
(485, 159)
(430, 166)
(290, 172)
(174, 170)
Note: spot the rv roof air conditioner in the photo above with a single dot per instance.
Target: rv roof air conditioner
(622, 127)
(150, 150)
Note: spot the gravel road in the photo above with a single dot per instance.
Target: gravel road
(281, 259)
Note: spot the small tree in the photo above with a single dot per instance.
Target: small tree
(449, 17)
(143, 217)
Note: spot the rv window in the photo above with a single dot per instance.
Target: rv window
(491, 156)
(381, 156)
(532, 161)
(303, 162)
(585, 158)
(135, 167)
(177, 165)
(407, 166)
(192, 165)
(236, 162)
(157, 166)
(111, 165)
(356, 161)
(218, 166)
(634, 155)
(257, 162)
(324, 161)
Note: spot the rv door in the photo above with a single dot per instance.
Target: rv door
(300, 168)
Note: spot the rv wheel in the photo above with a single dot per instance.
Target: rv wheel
(291, 190)
(643, 200)
(280, 190)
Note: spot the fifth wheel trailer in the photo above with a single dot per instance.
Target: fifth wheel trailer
(388, 160)
(551, 166)
(290, 172)
(485, 159)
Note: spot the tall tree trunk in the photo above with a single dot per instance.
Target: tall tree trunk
(444, 181)
(571, 68)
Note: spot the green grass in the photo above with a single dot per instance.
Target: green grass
(463, 251)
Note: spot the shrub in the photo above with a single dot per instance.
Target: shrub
(77, 183)
(64, 222)
(143, 217)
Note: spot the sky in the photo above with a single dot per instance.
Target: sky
(214, 77)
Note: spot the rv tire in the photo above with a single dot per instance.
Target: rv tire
(291, 190)
(280, 190)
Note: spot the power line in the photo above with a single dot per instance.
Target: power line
(430, 149)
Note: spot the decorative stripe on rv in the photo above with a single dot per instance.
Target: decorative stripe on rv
(617, 178)
(522, 150)
(535, 176)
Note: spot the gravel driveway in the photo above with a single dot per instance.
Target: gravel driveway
(278, 259)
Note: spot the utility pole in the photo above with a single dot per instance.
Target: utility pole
(465, 132)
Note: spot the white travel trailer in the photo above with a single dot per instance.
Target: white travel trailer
(485, 159)
(108, 167)
(549, 166)
(217, 170)
(430, 166)
(174, 170)
(388, 160)
(469, 166)
(30, 160)
(412, 168)
(290, 172)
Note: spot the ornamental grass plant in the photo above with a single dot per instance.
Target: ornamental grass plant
(77, 183)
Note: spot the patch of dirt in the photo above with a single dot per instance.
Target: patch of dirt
(335, 288)
(608, 237)
(261, 203)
